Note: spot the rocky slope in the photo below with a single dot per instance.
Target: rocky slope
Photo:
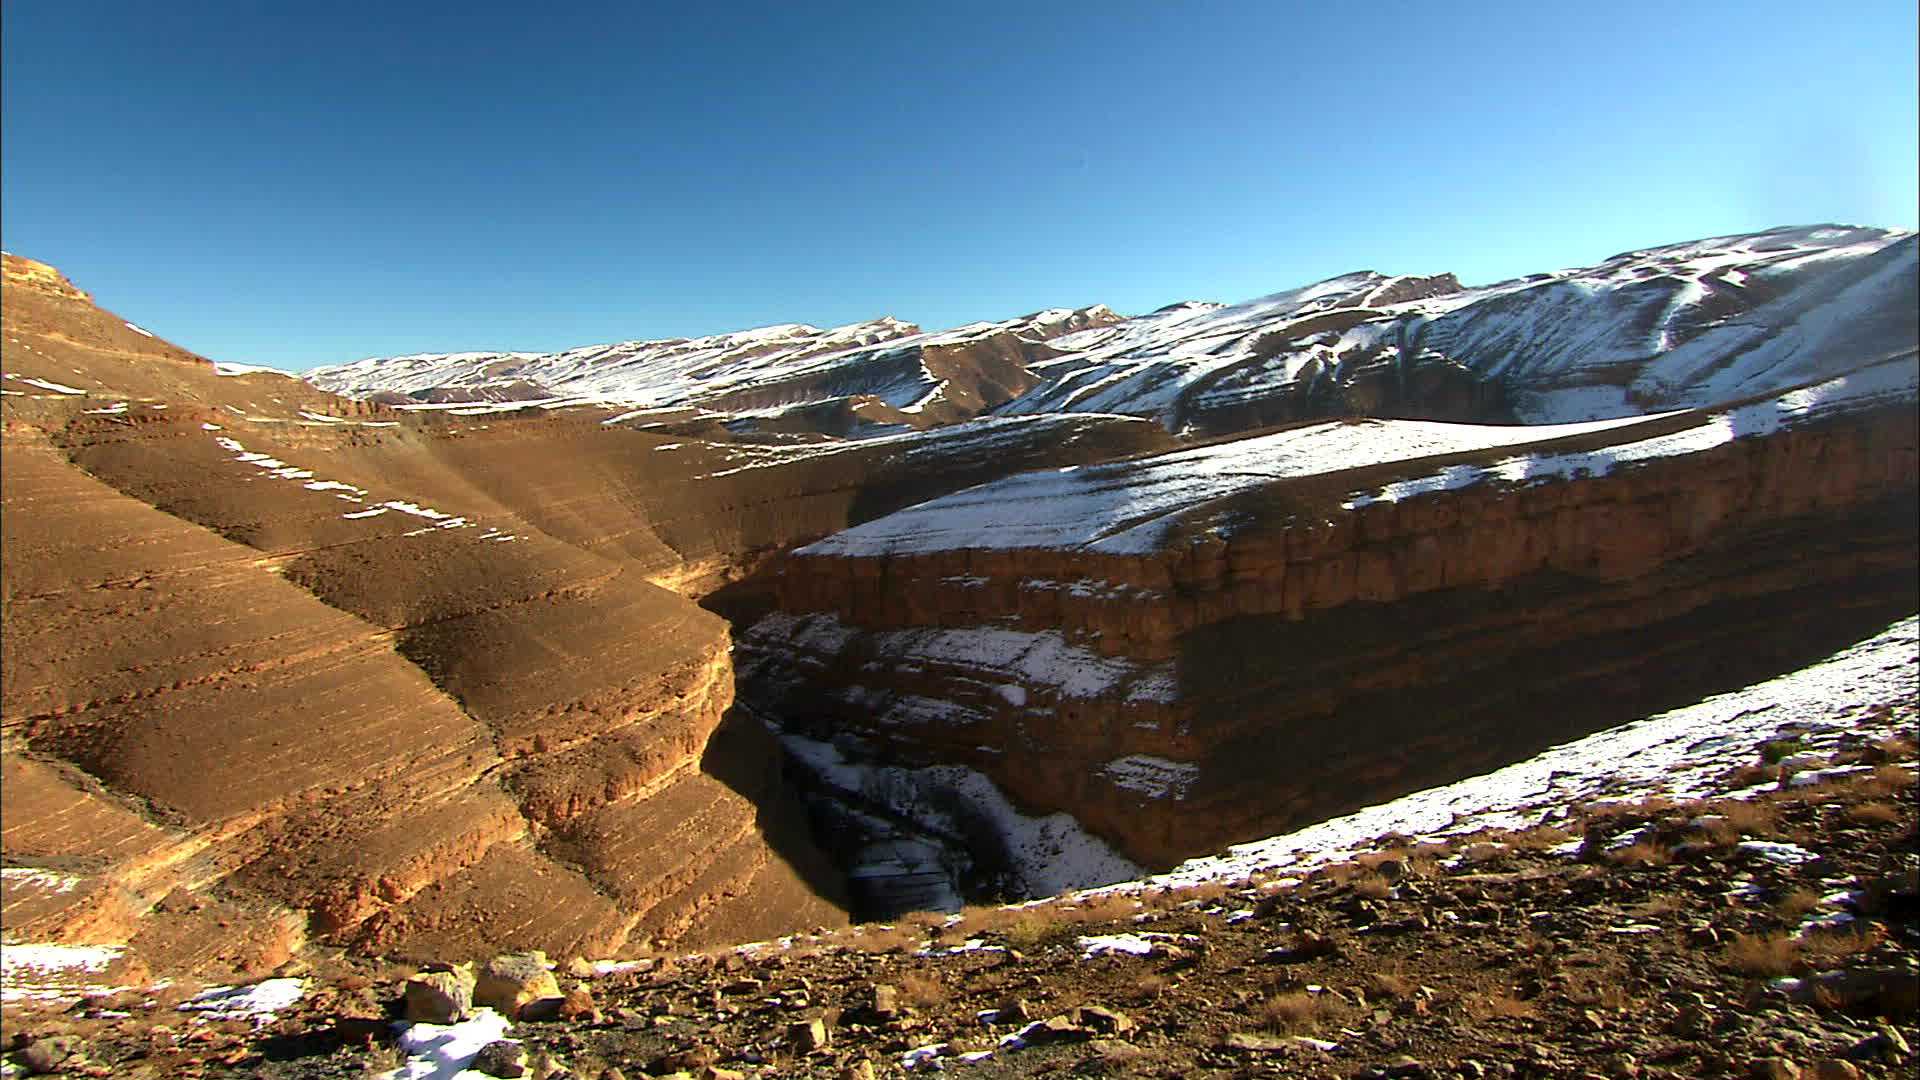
(313, 671)
(1216, 644)
(419, 672)
(916, 377)
(1744, 905)
(1679, 326)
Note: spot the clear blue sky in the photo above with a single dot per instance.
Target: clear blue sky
(295, 184)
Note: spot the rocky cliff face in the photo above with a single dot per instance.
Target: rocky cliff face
(296, 668)
(1286, 645)
(275, 674)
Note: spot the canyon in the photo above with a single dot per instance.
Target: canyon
(441, 655)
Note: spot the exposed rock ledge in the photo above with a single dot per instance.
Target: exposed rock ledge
(1281, 640)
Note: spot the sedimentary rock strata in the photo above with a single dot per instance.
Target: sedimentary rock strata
(1210, 645)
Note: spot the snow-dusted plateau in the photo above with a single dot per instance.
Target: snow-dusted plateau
(661, 646)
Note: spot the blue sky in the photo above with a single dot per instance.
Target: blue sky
(301, 184)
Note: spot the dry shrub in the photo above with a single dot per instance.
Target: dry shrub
(1538, 838)
(1485, 851)
(1750, 817)
(1889, 780)
(1644, 853)
(1422, 865)
(1794, 906)
(878, 938)
(1897, 747)
(1029, 929)
(1874, 813)
(1296, 1011)
(1107, 907)
(1206, 891)
(1834, 947)
(1747, 776)
(1763, 954)
(922, 991)
(1372, 886)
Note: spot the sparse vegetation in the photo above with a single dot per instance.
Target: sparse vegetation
(1874, 813)
(1763, 954)
(1295, 1012)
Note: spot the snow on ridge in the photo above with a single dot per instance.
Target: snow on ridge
(1880, 384)
(1680, 754)
(1130, 507)
(1127, 507)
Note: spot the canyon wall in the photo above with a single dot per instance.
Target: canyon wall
(1299, 647)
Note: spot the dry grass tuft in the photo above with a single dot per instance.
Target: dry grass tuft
(1890, 780)
(1373, 887)
(1874, 813)
(1763, 954)
(1029, 929)
(922, 991)
(1644, 853)
(879, 938)
(1794, 906)
(1296, 1012)
(1833, 948)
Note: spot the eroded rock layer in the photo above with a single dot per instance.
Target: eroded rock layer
(1215, 644)
(294, 668)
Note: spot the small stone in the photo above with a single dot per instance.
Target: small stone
(810, 1036)
(1059, 1028)
(440, 997)
(519, 985)
(1773, 1068)
(51, 1055)
(886, 1001)
(859, 1070)
(1016, 1011)
(1103, 1020)
(1116, 1051)
(1885, 1045)
(697, 1057)
(501, 1057)
(580, 968)
(1835, 1069)
(715, 1072)
(579, 1005)
(1406, 1067)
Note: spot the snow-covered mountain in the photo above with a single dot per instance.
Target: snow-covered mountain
(884, 358)
(1681, 326)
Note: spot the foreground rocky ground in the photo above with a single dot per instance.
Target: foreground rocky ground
(1773, 932)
